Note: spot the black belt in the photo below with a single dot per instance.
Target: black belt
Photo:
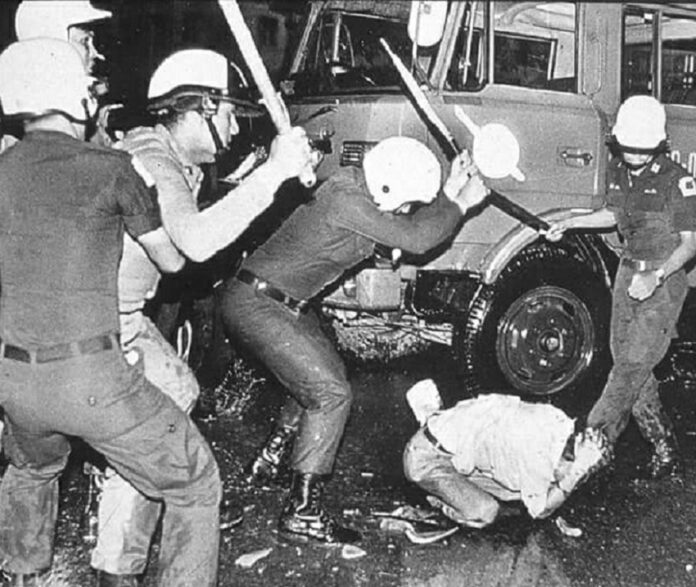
(641, 265)
(434, 441)
(59, 352)
(268, 290)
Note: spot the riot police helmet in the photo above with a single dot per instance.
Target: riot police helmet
(401, 170)
(43, 76)
(640, 125)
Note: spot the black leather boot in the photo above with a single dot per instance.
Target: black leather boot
(303, 519)
(657, 429)
(268, 467)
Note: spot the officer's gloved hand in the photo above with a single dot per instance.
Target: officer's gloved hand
(556, 230)
(643, 285)
(290, 153)
(464, 185)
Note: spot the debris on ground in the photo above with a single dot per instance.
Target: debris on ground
(248, 560)
(350, 552)
(567, 529)
(419, 525)
(429, 536)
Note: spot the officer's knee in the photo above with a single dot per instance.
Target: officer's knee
(339, 394)
(207, 488)
(203, 487)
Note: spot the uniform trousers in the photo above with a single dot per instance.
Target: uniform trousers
(127, 517)
(294, 348)
(641, 332)
(142, 433)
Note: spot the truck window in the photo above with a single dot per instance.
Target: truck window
(638, 60)
(534, 46)
(677, 56)
(344, 54)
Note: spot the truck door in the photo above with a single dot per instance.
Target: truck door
(518, 63)
(345, 91)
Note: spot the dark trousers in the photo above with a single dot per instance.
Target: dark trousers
(142, 433)
(297, 352)
(640, 335)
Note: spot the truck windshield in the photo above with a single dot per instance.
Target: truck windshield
(344, 54)
(534, 46)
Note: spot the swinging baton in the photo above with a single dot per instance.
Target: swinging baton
(273, 102)
(425, 107)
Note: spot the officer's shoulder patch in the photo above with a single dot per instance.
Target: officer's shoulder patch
(687, 186)
(142, 171)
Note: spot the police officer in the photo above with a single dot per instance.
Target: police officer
(265, 306)
(196, 104)
(64, 205)
(652, 202)
(67, 20)
(72, 21)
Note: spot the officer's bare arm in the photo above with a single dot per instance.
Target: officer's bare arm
(602, 218)
(201, 234)
(161, 250)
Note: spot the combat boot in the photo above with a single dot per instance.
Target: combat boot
(303, 519)
(657, 429)
(270, 464)
(665, 460)
(105, 579)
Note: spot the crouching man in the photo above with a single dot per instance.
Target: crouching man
(493, 449)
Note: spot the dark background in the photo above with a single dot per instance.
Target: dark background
(142, 33)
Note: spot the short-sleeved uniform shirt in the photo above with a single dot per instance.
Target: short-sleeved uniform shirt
(339, 229)
(653, 207)
(515, 443)
(63, 207)
(168, 169)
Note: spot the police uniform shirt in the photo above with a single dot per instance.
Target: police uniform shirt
(167, 170)
(517, 444)
(63, 206)
(652, 207)
(339, 229)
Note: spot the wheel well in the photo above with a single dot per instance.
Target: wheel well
(586, 252)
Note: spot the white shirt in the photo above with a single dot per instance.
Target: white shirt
(517, 444)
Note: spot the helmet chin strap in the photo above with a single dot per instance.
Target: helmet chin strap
(639, 166)
(219, 147)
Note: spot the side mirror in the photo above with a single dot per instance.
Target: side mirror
(426, 21)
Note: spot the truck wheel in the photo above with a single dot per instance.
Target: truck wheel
(541, 328)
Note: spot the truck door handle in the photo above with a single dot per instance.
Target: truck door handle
(575, 157)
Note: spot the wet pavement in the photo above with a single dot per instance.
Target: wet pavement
(634, 532)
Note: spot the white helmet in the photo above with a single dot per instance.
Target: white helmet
(53, 18)
(640, 123)
(44, 76)
(400, 170)
(195, 72)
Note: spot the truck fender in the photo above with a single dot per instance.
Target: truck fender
(516, 240)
